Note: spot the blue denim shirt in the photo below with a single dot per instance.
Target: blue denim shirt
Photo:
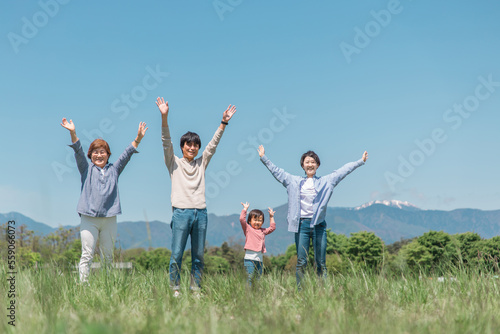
(99, 194)
(324, 186)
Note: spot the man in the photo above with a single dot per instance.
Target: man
(189, 217)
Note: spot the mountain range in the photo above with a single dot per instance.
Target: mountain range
(390, 220)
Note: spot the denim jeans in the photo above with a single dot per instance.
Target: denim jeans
(302, 240)
(188, 222)
(254, 270)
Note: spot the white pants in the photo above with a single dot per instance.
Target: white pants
(92, 229)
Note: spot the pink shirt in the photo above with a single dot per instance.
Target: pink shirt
(255, 237)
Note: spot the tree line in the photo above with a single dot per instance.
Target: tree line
(434, 252)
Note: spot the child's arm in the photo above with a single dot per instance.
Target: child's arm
(271, 228)
(243, 217)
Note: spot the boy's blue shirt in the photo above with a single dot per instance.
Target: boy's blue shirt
(324, 186)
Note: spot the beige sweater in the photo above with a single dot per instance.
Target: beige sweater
(188, 178)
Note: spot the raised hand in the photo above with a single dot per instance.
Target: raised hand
(71, 127)
(271, 212)
(141, 131)
(246, 205)
(226, 116)
(68, 125)
(365, 156)
(162, 105)
(261, 151)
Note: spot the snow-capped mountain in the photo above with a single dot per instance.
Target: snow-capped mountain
(405, 205)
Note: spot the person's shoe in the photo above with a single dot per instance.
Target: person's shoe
(176, 294)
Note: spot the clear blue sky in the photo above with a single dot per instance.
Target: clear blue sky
(415, 83)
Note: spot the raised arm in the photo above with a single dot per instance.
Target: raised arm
(226, 116)
(168, 148)
(163, 106)
(243, 217)
(140, 134)
(71, 128)
(211, 147)
(81, 159)
(124, 158)
(271, 228)
(345, 170)
(279, 174)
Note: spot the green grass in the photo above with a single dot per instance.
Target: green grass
(50, 301)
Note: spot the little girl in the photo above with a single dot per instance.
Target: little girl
(254, 244)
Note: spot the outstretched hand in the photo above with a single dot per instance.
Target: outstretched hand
(141, 131)
(271, 212)
(68, 125)
(226, 116)
(365, 156)
(162, 105)
(246, 205)
(261, 151)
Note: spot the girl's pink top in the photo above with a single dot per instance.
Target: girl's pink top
(255, 237)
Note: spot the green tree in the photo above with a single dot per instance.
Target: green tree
(366, 249)
(415, 256)
(488, 253)
(216, 264)
(336, 243)
(157, 259)
(26, 257)
(440, 246)
(72, 255)
(466, 243)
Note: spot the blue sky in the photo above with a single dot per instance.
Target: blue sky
(415, 83)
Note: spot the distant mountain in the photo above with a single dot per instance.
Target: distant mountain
(390, 220)
(20, 219)
(394, 203)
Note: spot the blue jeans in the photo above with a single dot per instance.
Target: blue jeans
(188, 222)
(302, 240)
(254, 270)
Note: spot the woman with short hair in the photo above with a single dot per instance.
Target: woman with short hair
(308, 197)
(99, 202)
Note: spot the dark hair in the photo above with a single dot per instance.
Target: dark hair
(99, 143)
(255, 213)
(309, 154)
(190, 137)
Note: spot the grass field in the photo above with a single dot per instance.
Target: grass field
(48, 301)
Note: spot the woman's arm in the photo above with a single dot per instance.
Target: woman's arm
(348, 168)
(140, 134)
(71, 127)
(279, 174)
(81, 159)
(124, 158)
